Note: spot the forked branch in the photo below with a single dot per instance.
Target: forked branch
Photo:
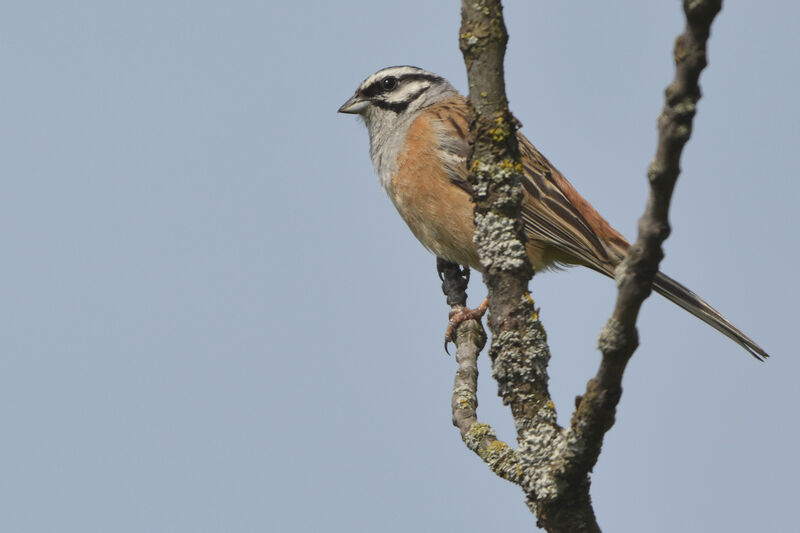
(552, 464)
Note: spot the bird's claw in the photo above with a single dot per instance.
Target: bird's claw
(459, 315)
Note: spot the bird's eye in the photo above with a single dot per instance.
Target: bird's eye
(388, 84)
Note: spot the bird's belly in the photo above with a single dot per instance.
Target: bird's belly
(440, 215)
(444, 224)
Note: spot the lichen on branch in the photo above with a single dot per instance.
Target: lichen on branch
(552, 464)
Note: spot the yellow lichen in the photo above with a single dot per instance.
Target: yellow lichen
(479, 430)
(528, 297)
(502, 130)
(496, 446)
(497, 134)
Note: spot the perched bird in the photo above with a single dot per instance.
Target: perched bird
(418, 124)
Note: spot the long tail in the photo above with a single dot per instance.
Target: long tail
(677, 293)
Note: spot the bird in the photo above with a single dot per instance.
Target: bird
(418, 125)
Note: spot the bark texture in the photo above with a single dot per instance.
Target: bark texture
(551, 464)
(618, 339)
(470, 340)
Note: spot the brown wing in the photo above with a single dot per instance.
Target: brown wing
(556, 214)
(562, 227)
(561, 224)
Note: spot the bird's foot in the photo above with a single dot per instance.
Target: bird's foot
(459, 315)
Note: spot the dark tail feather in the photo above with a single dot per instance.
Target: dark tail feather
(677, 293)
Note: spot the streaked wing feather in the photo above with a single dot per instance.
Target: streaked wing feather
(555, 214)
(548, 214)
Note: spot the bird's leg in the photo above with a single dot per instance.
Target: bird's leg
(454, 284)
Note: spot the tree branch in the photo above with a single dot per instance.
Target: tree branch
(519, 350)
(618, 340)
(470, 340)
(551, 464)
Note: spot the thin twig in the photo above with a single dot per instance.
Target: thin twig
(595, 413)
(470, 340)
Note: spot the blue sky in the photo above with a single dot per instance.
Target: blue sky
(213, 319)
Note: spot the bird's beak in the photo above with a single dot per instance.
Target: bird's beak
(354, 106)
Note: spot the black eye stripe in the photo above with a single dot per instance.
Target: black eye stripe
(399, 107)
(371, 90)
(375, 88)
